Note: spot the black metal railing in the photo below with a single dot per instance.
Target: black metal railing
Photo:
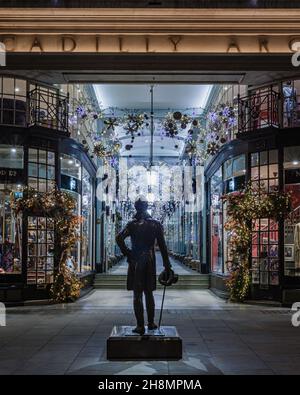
(48, 108)
(259, 110)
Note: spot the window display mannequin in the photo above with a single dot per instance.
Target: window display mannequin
(141, 277)
(297, 246)
(290, 101)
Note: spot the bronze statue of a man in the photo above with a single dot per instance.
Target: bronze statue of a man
(141, 278)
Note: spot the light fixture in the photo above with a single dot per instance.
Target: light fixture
(295, 162)
(152, 177)
(150, 197)
(17, 89)
(13, 150)
(70, 161)
(77, 165)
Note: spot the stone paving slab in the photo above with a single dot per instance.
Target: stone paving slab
(218, 338)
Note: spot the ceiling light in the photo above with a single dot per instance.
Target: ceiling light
(295, 162)
(17, 89)
(13, 150)
(70, 162)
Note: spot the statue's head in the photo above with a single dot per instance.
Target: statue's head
(141, 204)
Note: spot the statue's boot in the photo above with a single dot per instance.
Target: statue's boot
(139, 330)
(152, 326)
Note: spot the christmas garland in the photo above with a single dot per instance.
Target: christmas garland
(60, 206)
(242, 209)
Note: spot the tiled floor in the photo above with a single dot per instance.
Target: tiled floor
(218, 338)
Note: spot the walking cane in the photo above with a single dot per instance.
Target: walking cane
(166, 283)
(162, 306)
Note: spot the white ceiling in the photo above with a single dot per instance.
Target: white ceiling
(137, 96)
(166, 97)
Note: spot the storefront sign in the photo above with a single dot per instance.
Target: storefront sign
(146, 44)
(11, 175)
(165, 30)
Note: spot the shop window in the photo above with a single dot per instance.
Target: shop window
(234, 180)
(10, 232)
(11, 157)
(292, 223)
(290, 94)
(264, 170)
(234, 174)
(41, 169)
(13, 106)
(70, 166)
(264, 254)
(86, 211)
(71, 183)
(40, 250)
(216, 222)
(265, 264)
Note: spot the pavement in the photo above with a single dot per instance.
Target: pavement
(178, 267)
(218, 337)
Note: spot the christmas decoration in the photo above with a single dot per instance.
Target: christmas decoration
(60, 206)
(243, 208)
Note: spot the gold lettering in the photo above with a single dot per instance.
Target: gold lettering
(263, 44)
(233, 46)
(36, 46)
(175, 40)
(68, 44)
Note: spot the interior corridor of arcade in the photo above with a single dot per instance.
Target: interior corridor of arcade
(181, 146)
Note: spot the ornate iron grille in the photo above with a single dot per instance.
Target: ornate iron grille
(259, 110)
(49, 109)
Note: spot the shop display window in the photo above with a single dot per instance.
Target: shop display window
(290, 102)
(216, 222)
(265, 264)
(40, 250)
(234, 175)
(292, 223)
(86, 212)
(41, 169)
(264, 170)
(264, 254)
(10, 232)
(11, 157)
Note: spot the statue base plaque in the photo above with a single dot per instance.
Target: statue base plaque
(163, 344)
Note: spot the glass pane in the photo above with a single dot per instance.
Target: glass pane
(32, 155)
(263, 156)
(254, 159)
(42, 156)
(32, 170)
(32, 183)
(11, 157)
(51, 173)
(51, 158)
(42, 171)
(273, 156)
